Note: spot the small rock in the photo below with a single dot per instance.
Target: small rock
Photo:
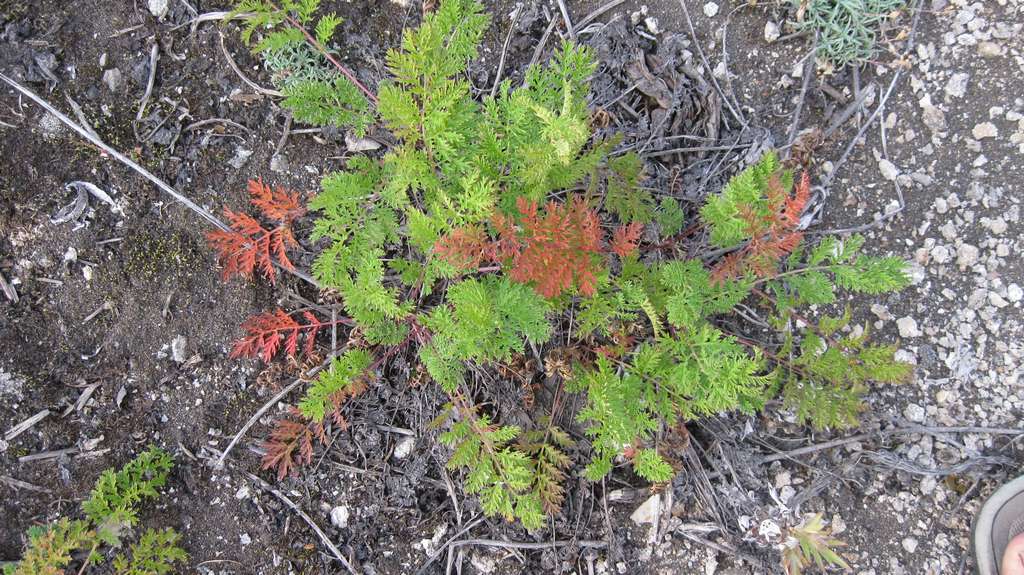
(956, 87)
(769, 529)
(357, 144)
(339, 516)
(241, 157)
(1014, 293)
(907, 327)
(989, 49)
(888, 169)
(112, 78)
(243, 492)
(914, 412)
(966, 255)
(158, 8)
(648, 512)
(997, 300)
(934, 118)
(484, 563)
(910, 544)
(51, 126)
(711, 9)
(178, 348)
(244, 539)
(997, 226)
(940, 254)
(771, 31)
(881, 312)
(985, 130)
(652, 25)
(279, 164)
(404, 447)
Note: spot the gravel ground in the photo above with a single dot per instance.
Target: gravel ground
(953, 143)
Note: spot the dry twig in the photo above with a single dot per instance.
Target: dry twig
(26, 425)
(266, 407)
(241, 75)
(154, 56)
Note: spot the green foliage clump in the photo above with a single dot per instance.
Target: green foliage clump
(811, 543)
(488, 320)
(846, 29)
(345, 377)
(113, 504)
(315, 92)
(111, 511)
(154, 554)
(499, 473)
(650, 345)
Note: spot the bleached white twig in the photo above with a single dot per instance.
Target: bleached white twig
(25, 425)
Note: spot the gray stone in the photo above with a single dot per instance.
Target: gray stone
(404, 447)
(1014, 293)
(907, 327)
(339, 516)
(648, 512)
(159, 8)
(888, 169)
(112, 78)
(966, 255)
(178, 349)
(241, 157)
(956, 87)
(914, 412)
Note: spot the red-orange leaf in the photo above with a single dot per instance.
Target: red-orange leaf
(278, 204)
(248, 245)
(626, 238)
(266, 332)
(773, 235)
(465, 248)
(558, 249)
(291, 444)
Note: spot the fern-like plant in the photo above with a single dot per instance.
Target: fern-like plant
(463, 244)
(111, 512)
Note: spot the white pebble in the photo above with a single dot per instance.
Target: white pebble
(984, 130)
(966, 255)
(710, 9)
(888, 169)
(914, 412)
(404, 447)
(908, 327)
(158, 8)
(1014, 293)
(339, 516)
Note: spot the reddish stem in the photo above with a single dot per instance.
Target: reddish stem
(345, 71)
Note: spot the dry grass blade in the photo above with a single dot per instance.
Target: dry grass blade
(26, 425)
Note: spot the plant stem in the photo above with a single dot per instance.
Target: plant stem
(330, 58)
